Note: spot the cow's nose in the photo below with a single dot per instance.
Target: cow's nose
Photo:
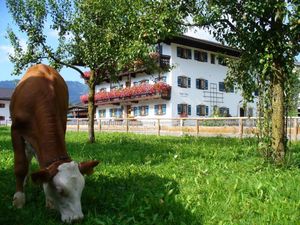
(73, 219)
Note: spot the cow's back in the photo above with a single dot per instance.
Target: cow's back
(39, 107)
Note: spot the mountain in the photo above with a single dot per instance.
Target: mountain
(76, 89)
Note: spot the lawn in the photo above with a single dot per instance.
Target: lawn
(166, 180)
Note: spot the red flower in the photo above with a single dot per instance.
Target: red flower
(130, 92)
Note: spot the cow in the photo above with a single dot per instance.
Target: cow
(38, 112)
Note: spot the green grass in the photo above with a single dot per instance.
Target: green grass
(166, 180)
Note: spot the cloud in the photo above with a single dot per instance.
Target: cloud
(5, 50)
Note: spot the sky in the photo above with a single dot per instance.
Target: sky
(67, 74)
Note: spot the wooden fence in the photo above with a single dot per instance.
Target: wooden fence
(225, 126)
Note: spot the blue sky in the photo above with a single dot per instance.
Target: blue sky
(5, 48)
(68, 74)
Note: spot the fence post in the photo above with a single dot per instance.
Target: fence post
(241, 128)
(77, 124)
(158, 127)
(197, 127)
(181, 125)
(99, 124)
(296, 128)
(127, 125)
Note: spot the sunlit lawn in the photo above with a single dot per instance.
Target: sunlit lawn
(166, 180)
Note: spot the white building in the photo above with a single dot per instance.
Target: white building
(5, 96)
(196, 82)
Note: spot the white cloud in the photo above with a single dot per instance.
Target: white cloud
(5, 50)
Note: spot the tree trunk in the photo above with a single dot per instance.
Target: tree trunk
(91, 108)
(278, 131)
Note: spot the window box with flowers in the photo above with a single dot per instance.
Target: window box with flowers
(160, 89)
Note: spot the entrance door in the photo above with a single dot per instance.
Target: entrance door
(242, 112)
(128, 111)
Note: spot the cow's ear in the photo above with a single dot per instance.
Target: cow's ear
(42, 176)
(88, 167)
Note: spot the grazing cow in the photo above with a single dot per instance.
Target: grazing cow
(38, 111)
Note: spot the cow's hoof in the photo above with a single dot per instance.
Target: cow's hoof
(49, 204)
(19, 200)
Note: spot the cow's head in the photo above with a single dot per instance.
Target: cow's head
(63, 185)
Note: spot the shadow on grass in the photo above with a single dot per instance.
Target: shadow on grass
(133, 199)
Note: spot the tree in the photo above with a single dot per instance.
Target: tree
(268, 34)
(104, 37)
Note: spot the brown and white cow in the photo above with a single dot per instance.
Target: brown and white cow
(38, 111)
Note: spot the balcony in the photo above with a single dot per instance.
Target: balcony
(159, 90)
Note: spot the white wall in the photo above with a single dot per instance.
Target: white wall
(5, 111)
(194, 69)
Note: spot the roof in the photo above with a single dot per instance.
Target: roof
(6, 93)
(204, 44)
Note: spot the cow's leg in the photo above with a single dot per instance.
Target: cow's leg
(20, 166)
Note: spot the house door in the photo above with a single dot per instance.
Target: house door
(128, 111)
(242, 112)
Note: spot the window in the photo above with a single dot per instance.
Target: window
(2, 105)
(141, 110)
(2, 118)
(136, 83)
(200, 56)
(102, 113)
(184, 82)
(212, 58)
(224, 111)
(223, 88)
(117, 112)
(222, 60)
(184, 110)
(250, 112)
(102, 90)
(116, 86)
(202, 84)
(202, 110)
(160, 109)
(184, 53)
(162, 79)
(146, 81)
(159, 48)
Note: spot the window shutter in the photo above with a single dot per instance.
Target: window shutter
(179, 81)
(198, 83)
(135, 111)
(198, 110)
(155, 109)
(206, 84)
(189, 55)
(206, 110)
(189, 110)
(164, 108)
(189, 82)
(179, 52)
(179, 108)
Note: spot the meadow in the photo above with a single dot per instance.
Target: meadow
(144, 179)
